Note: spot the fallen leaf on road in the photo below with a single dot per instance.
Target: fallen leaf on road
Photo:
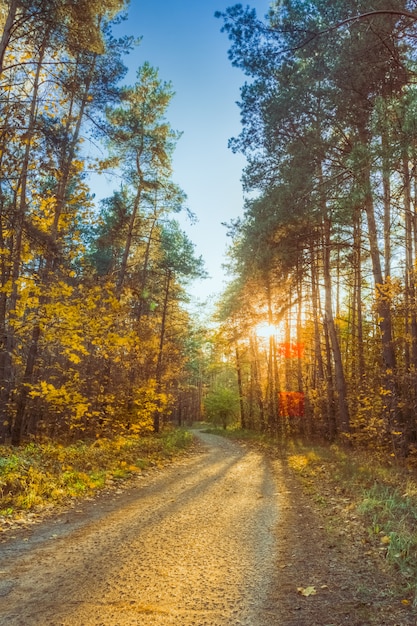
(307, 591)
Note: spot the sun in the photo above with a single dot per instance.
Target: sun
(265, 330)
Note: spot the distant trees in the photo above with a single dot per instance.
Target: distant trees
(221, 406)
(326, 252)
(93, 335)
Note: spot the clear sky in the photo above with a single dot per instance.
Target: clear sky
(182, 39)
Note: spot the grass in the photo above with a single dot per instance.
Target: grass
(393, 513)
(382, 495)
(37, 475)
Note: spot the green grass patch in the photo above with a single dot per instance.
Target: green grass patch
(36, 475)
(384, 496)
(392, 512)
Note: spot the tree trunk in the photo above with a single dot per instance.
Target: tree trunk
(357, 300)
(144, 273)
(383, 302)
(158, 373)
(240, 387)
(409, 264)
(128, 243)
(316, 308)
(383, 297)
(274, 423)
(334, 340)
(19, 421)
(7, 31)
(386, 183)
(257, 401)
(21, 194)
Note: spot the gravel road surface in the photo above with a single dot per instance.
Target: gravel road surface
(190, 545)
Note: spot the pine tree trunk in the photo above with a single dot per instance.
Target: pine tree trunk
(409, 264)
(18, 425)
(158, 373)
(316, 305)
(256, 385)
(393, 417)
(357, 301)
(340, 381)
(383, 302)
(386, 183)
(240, 387)
(275, 424)
(128, 243)
(7, 31)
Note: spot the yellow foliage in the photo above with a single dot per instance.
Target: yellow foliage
(72, 356)
(7, 288)
(63, 399)
(301, 461)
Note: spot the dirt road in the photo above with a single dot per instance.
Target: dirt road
(191, 545)
(223, 537)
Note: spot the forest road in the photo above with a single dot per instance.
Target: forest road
(193, 544)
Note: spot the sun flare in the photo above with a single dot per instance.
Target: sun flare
(265, 330)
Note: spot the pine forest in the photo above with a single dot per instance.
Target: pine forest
(315, 335)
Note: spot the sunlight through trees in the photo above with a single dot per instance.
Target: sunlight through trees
(327, 243)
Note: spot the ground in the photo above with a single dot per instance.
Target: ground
(225, 536)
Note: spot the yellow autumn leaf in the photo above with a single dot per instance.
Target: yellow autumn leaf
(307, 591)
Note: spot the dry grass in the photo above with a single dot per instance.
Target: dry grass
(36, 475)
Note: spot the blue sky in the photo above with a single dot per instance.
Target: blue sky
(182, 39)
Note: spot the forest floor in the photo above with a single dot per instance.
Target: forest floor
(227, 535)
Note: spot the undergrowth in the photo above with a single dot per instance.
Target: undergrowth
(383, 495)
(36, 475)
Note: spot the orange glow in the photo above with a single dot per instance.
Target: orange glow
(291, 403)
(291, 350)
